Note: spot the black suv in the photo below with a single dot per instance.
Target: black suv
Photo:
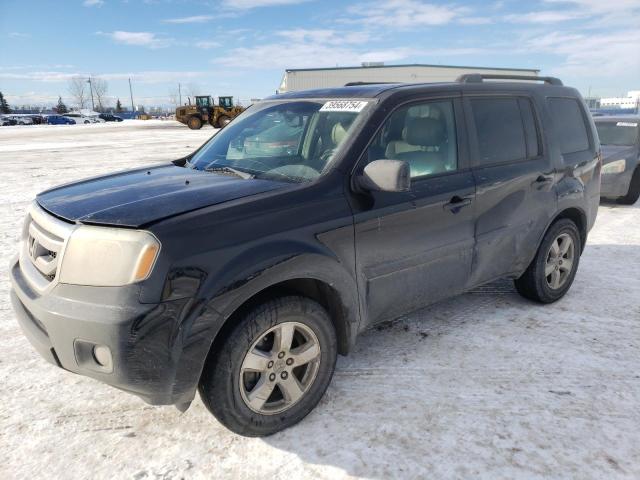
(243, 269)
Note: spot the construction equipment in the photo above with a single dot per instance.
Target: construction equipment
(204, 111)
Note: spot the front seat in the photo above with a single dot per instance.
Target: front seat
(427, 139)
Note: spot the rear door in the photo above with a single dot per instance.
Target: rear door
(413, 248)
(515, 180)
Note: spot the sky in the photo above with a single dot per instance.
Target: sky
(242, 47)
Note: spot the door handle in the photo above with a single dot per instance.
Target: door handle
(457, 203)
(543, 182)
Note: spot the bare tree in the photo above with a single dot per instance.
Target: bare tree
(174, 96)
(79, 91)
(100, 89)
(193, 89)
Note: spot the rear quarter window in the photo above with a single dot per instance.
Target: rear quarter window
(570, 124)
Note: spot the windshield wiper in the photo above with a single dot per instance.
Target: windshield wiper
(233, 171)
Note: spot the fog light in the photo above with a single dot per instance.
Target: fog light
(102, 355)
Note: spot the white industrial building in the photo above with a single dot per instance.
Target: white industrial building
(632, 100)
(309, 78)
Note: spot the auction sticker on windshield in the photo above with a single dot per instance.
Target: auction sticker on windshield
(343, 106)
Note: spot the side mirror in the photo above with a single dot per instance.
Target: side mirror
(386, 176)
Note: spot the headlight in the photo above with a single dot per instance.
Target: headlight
(108, 257)
(615, 167)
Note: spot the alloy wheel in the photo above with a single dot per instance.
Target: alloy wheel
(279, 368)
(560, 260)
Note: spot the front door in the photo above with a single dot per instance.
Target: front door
(413, 248)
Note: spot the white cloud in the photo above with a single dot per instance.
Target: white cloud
(591, 55)
(207, 44)
(19, 35)
(331, 37)
(403, 13)
(140, 39)
(192, 19)
(475, 20)
(148, 77)
(544, 17)
(305, 55)
(93, 3)
(248, 4)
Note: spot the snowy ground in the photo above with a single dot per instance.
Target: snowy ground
(486, 385)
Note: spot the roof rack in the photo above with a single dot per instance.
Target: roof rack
(358, 84)
(480, 77)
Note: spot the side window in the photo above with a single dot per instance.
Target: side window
(423, 134)
(569, 124)
(500, 130)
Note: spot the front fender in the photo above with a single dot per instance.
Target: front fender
(241, 278)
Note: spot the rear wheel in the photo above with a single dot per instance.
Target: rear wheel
(634, 190)
(554, 267)
(194, 123)
(273, 367)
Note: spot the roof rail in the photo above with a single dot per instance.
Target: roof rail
(358, 84)
(480, 77)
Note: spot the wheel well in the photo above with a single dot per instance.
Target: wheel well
(579, 218)
(321, 292)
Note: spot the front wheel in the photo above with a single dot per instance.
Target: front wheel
(194, 123)
(272, 368)
(551, 273)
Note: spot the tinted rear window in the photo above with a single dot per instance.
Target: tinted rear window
(570, 124)
(500, 130)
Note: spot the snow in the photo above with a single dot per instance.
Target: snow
(486, 385)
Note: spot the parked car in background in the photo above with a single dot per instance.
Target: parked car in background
(7, 121)
(38, 119)
(620, 140)
(79, 118)
(23, 120)
(243, 274)
(59, 120)
(109, 117)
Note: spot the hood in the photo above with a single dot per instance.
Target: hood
(612, 153)
(139, 197)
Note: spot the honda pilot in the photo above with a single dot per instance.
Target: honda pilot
(242, 270)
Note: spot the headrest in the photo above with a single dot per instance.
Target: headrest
(338, 133)
(426, 132)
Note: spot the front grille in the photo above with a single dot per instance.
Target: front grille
(45, 237)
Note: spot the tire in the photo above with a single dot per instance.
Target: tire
(535, 284)
(634, 190)
(253, 404)
(194, 123)
(223, 121)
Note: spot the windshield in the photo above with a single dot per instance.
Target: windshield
(288, 141)
(618, 133)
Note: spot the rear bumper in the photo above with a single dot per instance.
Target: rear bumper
(65, 324)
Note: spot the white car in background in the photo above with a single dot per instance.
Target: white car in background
(23, 120)
(80, 119)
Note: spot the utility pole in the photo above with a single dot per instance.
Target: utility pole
(180, 94)
(133, 108)
(93, 107)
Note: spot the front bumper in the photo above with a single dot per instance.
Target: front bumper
(65, 323)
